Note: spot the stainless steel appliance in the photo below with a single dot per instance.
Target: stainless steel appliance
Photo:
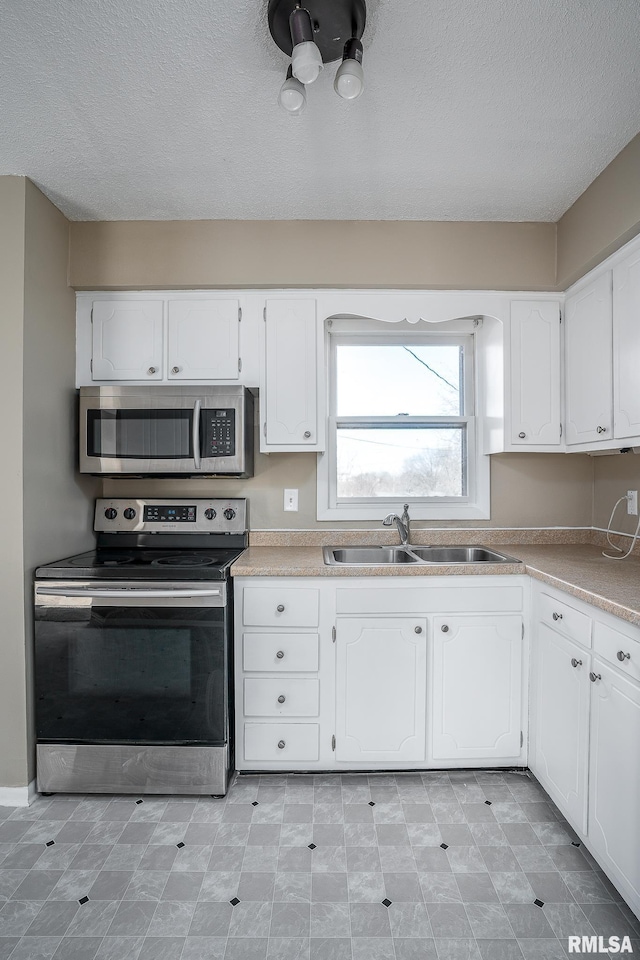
(166, 430)
(133, 651)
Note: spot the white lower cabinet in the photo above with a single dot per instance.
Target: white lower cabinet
(381, 685)
(477, 687)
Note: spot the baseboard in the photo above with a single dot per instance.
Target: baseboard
(18, 796)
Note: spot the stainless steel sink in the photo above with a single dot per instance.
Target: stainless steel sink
(367, 556)
(382, 556)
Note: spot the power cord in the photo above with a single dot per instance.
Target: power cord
(612, 545)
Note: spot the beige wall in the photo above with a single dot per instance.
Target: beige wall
(602, 219)
(319, 253)
(613, 476)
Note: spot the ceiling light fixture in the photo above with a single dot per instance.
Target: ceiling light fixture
(319, 32)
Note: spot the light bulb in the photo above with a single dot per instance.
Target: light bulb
(349, 81)
(292, 96)
(306, 61)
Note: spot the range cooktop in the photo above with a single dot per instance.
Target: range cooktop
(137, 564)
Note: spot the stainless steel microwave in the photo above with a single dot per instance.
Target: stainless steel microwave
(166, 431)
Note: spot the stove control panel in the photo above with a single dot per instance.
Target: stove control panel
(193, 515)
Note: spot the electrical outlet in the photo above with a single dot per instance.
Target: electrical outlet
(632, 503)
(291, 500)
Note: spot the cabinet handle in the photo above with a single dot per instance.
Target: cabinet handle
(557, 616)
(280, 608)
(281, 698)
(281, 744)
(595, 676)
(417, 629)
(152, 370)
(280, 654)
(444, 628)
(307, 434)
(522, 435)
(601, 429)
(576, 663)
(622, 656)
(175, 369)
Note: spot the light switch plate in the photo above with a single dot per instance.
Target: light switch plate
(291, 500)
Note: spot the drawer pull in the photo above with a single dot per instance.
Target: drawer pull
(281, 744)
(281, 698)
(595, 676)
(522, 434)
(280, 654)
(307, 434)
(576, 663)
(557, 616)
(417, 629)
(280, 608)
(444, 628)
(622, 656)
(601, 429)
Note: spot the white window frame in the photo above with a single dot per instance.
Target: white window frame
(475, 505)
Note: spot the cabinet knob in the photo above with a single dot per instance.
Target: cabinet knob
(417, 629)
(576, 663)
(307, 434)
(175, 369)
(281, 744)
(152, 370)
(522, 435)
(601, 429)
(595, 676)
(622, 656)
(444, 628)
(280, 608)
(281, 698)
(557, 616)
(280, 654)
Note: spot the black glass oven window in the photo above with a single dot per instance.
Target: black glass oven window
(131, 675)
(140, 434)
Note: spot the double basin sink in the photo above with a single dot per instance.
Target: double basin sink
(408, 554)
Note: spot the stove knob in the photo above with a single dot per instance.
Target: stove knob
(210, 513)
(129, 513)
(111, 513)
(229, 513)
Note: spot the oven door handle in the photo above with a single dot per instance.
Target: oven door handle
(196, 434)
(125, 594)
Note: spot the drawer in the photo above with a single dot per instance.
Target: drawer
(280, 652)
(565, 619)
(280, 607)
(283, 742)
(263, 697)
(620, 647)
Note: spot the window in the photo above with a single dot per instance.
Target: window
(402, 424)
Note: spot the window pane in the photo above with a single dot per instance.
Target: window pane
(385, 380)
(408, 462)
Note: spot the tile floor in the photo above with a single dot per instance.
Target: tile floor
(432, 866)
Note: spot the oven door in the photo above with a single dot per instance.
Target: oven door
(136, 664)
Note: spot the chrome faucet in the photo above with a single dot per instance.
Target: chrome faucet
(403, 524)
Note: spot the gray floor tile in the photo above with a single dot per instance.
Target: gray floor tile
(373, 949)
(264, 834)
(23, 856)
(476, 888)
(38, 885)
(76, 831)
(440, 887)
(120, 948)
(512, 887)
(528, 921)
(286, 948)
(415, 949)
(608, 920)
(565, 857)
(165, 948)
(360, 835)
(365, 887)
(587, 887)
(36, 948)
(250, 919)
(171, 919)
(520, 834)
(330, 920)
(246, 949)
(146, 885)
(211, 920)
(500, 949)
(110, 885)
(363, 860)
(204, 948)
(183, 886)
(78, 948)
(53, 919)
(402, 887)
(489, 921)
(534, 858)
(290, 920)
(458, 949)
(329, 887)
(449, 921)
(329, 834)
(428, 834)
(533, 949)
(294, 860)
(297, 813)
(90, 856)
(10, 880)
(488, 835)
(333, 949)
(468, 859)
(7, 945)
(16, 917)
(550, 887)
(369, 920)
(93, 919)
(192, 859)
(292, 887)
(410, 920)
(74, 884)
(132, 918)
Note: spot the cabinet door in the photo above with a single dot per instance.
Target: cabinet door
(203, 340)
(381, 680)
(614, 775)
(127, 340)
(477, 687)
(535, 373)
(626, 341)
(588, 339)
(289, 398)
(560, 720)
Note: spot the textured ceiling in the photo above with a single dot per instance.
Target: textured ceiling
(166, 109)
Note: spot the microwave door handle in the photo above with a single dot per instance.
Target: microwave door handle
(196, 434)
(124, 594)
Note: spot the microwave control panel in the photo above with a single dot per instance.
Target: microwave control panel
(219, 433)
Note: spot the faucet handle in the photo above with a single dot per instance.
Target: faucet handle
(388, 520)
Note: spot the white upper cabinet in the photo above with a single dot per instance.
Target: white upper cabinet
(588, 344)
(477, 687)
(535, 373)
(292, 380)
(204, 340)
(127, 339)
(626, 359)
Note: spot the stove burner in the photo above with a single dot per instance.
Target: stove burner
(107, 560)
(183, 560)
